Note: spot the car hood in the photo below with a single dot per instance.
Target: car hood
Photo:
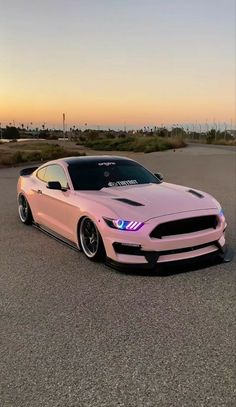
(148, 201)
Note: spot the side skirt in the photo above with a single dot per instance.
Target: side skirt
(56, 236)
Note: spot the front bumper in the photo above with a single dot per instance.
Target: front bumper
(139, 249)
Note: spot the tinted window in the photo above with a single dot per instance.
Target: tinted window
(41, 174)
(94, 176)
(56, 173)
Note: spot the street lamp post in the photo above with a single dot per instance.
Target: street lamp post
(64, 127)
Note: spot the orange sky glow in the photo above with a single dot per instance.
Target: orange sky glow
(138, 71)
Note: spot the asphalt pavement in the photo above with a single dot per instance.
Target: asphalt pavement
(79, 334)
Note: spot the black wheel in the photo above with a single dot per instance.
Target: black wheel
(91, 240)
(24, 210)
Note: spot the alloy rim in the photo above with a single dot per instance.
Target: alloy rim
(89, 237)
(23, 208)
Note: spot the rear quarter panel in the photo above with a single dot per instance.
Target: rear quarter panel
(27, 185)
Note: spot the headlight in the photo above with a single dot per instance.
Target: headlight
(221, 213)
(122, 224)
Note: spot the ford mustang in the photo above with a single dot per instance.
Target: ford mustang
(114, 209)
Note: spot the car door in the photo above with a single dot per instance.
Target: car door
(54, 208)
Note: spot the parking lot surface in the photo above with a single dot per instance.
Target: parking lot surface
(75, 333)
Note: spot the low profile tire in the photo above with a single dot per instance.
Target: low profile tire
(24, 210)
(91, 240)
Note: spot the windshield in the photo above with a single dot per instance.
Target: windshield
(107, 174)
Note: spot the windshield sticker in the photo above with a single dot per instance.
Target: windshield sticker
(107, 163)
(123, 183)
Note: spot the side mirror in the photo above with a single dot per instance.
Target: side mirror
(159, 176)
(54, 185)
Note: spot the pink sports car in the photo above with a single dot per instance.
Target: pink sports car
(115, 209)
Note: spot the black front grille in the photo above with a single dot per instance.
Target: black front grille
(183, 226)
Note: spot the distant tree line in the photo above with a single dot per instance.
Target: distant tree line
(82, 136)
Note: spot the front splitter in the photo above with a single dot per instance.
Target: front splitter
(226, 254)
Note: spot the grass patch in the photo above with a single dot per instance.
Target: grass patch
(36, 152)
(136, 144)
(35, 146)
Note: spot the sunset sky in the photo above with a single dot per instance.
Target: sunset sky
(110, 62)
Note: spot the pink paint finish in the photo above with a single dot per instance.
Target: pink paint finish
(190, 222)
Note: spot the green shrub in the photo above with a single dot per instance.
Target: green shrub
(18, 157)
(47, 152)
(136, 143)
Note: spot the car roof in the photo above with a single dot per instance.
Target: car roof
(93, 159)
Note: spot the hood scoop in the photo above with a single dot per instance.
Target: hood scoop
(191, 191)
(128, 201)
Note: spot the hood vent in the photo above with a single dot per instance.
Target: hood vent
(195, 193)
(128, 201)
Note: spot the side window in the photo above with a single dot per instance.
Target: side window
(56, 173)
(41, 174)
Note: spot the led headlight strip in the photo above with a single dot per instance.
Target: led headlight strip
(122, 224)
